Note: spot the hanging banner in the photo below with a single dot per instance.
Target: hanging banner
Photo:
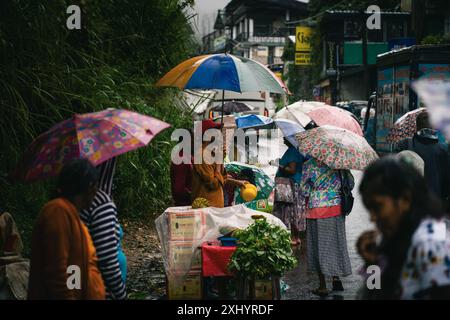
(302, 39)
(303, 45)
(302, 58)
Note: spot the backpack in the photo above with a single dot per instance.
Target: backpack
(347, 199)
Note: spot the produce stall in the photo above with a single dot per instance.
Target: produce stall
(182, 231)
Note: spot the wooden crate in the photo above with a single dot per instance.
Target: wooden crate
(258, 289)
(186, 225)
(187, 287)
(263, 290)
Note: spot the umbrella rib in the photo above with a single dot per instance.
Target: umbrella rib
(76, 117)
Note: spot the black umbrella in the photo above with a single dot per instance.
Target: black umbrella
(232, 107)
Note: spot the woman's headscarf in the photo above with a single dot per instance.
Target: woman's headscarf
(10, 240)
(413, 159)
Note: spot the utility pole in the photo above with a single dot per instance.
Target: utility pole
(364, 53)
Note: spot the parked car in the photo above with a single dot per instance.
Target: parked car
(354, 106)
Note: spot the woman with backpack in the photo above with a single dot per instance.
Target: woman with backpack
(326, 207)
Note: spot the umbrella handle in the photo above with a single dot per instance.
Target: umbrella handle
(223, 102)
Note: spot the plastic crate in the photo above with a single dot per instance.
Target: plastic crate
(228, 242)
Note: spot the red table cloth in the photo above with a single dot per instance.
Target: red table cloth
(215, 259)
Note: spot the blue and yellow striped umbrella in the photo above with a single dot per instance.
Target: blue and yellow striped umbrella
(223, 72)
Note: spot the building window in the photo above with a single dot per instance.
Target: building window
(395, 30)
(262, 28)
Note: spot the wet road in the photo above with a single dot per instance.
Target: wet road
(299, 280)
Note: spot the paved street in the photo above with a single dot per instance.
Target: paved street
(300, 281)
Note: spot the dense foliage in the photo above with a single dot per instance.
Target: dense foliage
(264, 250)
(48, 72)
(437, 39)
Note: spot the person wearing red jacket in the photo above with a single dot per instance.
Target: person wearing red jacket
(181, 181)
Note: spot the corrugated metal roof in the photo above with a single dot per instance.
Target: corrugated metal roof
(368, 12)
(392, 51)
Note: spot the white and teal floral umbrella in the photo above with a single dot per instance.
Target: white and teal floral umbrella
(263, 182)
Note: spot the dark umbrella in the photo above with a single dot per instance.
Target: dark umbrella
(232, 107)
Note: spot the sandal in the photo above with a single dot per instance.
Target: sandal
(320, 292)
(337, 285)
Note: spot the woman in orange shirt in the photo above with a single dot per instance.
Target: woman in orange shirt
(63, 261)
(208, 180)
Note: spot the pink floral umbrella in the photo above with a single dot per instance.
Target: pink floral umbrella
(405, 126)
(337, 117)
(96, 136)
(336, 147)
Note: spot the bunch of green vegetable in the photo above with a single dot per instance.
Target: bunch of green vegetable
(264, 250)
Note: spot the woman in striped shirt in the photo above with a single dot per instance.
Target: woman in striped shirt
(103, 224)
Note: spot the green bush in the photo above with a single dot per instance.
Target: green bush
(48, 73)
(437, 39)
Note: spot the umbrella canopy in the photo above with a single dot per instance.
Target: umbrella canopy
(96, 136)
(307, 106)
(263, 182)
(289, 129)
(336, 147)
(405, 126)
(223, 72)
(254, 121)
(233, 107)
(337, 117)
(293, 114)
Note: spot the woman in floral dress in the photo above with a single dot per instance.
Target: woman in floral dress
(327, 252)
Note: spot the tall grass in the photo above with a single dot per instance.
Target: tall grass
(48, 72)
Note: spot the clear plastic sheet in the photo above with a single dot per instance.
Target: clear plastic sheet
(182, 230)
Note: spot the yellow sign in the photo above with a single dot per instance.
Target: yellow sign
(302, 58)
(303, 39)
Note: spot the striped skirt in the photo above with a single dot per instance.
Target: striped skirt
(327, 246)
(292, 214)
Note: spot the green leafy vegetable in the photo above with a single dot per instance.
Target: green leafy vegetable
(264, 250)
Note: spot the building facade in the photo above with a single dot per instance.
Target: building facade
(254, 29)
(350, 50)
(344, 74)
(429, 17)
